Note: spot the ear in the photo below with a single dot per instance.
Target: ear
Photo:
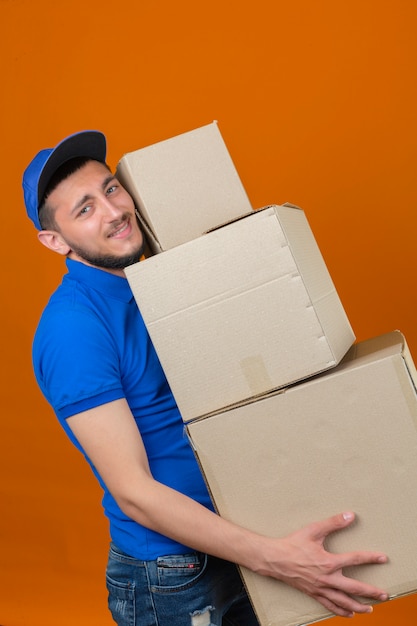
(54, 241)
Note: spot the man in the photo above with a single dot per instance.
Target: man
(96, 365)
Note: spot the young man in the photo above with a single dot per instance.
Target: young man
(171, 560)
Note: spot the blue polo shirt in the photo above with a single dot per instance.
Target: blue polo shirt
(92, 347)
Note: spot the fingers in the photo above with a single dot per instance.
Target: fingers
(322, 528)
(342, 605)
(361, 558)
(321, 575)
(342, 595)
(318, 531)
(334, 608)
(354, 587)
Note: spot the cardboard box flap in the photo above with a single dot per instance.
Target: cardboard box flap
(252, 212)
(385, 346)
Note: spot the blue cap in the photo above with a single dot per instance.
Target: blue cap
(88, 143)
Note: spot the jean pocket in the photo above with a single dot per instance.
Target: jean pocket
(121, 601)
(180, 570)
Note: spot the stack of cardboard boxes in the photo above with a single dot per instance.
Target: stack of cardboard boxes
(289, 419)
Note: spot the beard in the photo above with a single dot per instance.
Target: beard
(108, 261)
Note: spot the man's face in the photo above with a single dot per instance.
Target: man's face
(96, 218)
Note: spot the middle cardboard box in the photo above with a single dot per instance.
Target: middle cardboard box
(243, 310)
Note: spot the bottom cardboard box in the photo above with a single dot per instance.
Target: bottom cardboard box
(345, 440)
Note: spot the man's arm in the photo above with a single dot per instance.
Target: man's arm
(110, 438)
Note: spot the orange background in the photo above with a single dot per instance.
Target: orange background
(317, 104)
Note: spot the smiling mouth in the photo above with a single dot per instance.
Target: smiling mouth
(120, 229)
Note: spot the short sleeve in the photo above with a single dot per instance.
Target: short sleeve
(76, 360)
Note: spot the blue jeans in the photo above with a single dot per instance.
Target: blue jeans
(179, 590)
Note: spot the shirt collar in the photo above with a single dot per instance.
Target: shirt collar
(109, 284)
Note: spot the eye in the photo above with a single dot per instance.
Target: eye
(85, 209)
(111, 189)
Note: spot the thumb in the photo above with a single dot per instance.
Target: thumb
(321, 529)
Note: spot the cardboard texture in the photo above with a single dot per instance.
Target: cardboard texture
(183, 186)
(243, 310)
(344, 440)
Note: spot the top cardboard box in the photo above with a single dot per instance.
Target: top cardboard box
(183, 186)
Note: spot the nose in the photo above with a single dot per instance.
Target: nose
(110, 210)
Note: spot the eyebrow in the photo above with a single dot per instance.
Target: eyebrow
(88, 197)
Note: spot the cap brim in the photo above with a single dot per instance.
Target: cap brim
(89, 143)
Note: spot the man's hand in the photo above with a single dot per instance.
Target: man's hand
(306, 565)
